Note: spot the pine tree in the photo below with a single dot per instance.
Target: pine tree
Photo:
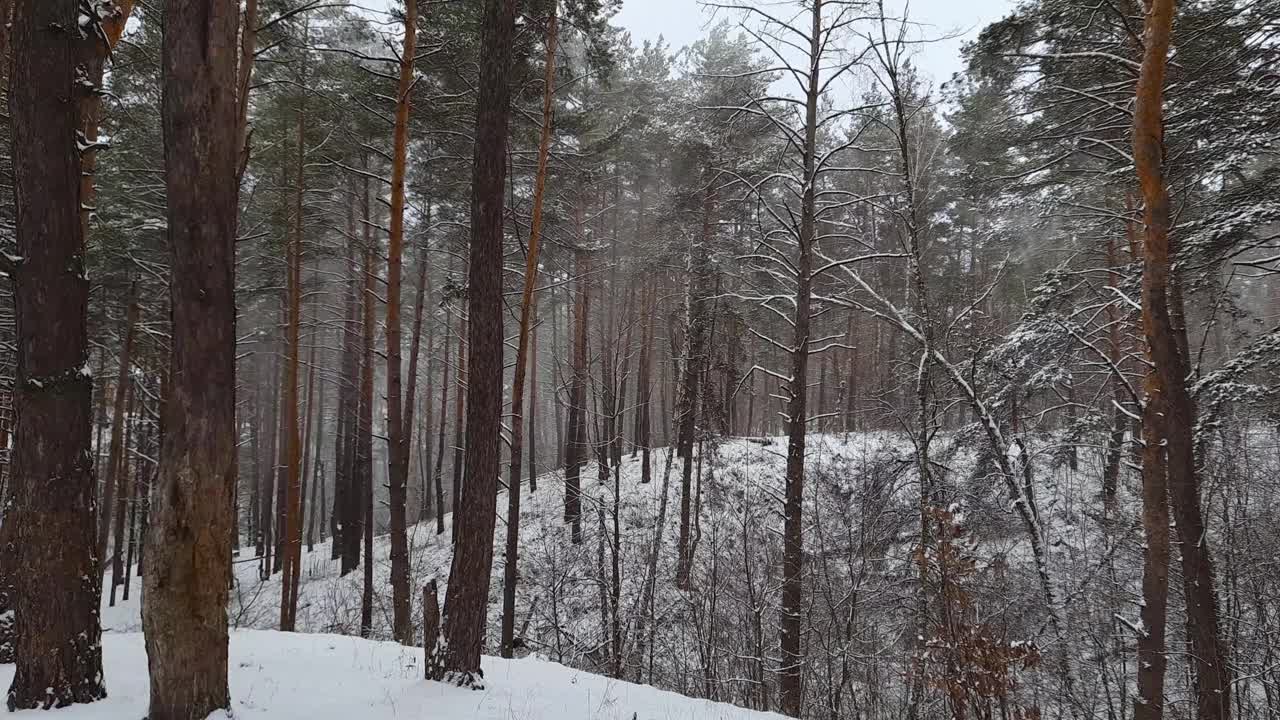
(189, 541)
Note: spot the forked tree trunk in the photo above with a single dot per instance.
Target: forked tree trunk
(188, 559)
(466, 598)
(1169, 386)
(56, 577)
(522, 349)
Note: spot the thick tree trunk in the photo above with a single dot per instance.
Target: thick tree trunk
(510, 574)
(466, 598)
(1159, 307)
(56, 576)
(188, 560)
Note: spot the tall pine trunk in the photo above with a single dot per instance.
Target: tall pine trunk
(291, 545)
(397, 430)
(115, 461)
(576, 424)
(792, 686)
(1168, 388)
(56, 576)
(189, 554)
(362, 498)
(466, 599)
(122, 479)
(438, 472)
(510, 574)
(347, 509)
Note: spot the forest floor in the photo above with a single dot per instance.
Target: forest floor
(862, 502)
(559, 581)
(286, 676)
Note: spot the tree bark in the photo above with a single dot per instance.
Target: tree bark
(1212, 676)
(315, 426)
(792, 686)
(510, 575)
(188, 560)
(467, 596)
(122, 479)
(347, 508)
(115, 461)
(533, 405)
(56, 576)
(459, 438)
(397, 430)
(576, 424)
(697, 320)
(291, 545)
(363, 484)
(438, 472)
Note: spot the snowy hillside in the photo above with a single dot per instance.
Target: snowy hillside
(283, 676)
(717, 639)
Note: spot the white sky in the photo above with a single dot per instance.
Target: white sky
(680, 22)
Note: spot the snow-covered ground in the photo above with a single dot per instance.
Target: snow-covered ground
(718, 638)
(283, 676)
